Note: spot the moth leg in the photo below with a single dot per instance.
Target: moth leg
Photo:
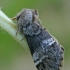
(14, 18)
(22, 38)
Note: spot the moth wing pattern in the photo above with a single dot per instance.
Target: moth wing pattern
(47, 53)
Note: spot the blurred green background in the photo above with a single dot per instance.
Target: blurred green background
(55, 16)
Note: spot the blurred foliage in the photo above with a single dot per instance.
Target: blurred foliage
(55, 16)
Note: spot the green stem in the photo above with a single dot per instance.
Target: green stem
(9, 26)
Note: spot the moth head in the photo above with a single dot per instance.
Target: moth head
(28, 15)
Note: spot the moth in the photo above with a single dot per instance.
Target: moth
(46, 51)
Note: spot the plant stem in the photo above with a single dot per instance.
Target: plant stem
(9, 26)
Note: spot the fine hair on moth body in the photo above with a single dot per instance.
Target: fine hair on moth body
(46, 51)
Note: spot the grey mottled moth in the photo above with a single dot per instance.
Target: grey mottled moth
(47, 53)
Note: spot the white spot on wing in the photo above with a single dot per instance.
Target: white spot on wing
(41, 59)
(35, 56)
(49, 41)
